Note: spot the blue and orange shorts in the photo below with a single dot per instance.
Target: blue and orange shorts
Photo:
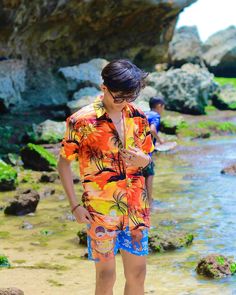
(103, 243)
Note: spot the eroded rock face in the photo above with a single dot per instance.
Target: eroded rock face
(65, 32)
(185, 47)
(12, 83)
(11, 291)
(220, 52)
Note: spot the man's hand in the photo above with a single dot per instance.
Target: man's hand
(82, 215)
(135, 157)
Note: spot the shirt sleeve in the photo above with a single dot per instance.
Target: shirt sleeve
(146, 137)
(71, 141)
(156, 122)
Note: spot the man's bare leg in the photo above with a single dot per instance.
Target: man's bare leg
(149, 184)
(105, 277)
(135, 272)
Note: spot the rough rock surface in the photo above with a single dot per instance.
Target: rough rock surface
(12, 83)
(216, 266)
(229, 170)
(185, 90)
(185, 47)
(225, 98)
(63, 32)
(11, 291)
(23, 203)
(220, 52)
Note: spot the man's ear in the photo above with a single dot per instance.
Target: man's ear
(103, 87)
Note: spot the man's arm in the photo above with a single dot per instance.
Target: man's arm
(155, 134)
(64, 169)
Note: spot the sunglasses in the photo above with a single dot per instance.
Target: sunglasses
(129, 98)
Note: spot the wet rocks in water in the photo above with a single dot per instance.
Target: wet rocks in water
(8, 177)
(216, 266)
(11, 291)
(163, 240)
(229, 170)
(49, 177)
(38, 158)
(24, 203)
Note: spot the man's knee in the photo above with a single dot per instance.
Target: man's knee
(137, 274)
(106, 277)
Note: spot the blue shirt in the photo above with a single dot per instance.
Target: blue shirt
(154, 119)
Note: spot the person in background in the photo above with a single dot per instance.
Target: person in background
(157, 106)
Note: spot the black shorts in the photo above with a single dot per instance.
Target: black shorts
(149, 170)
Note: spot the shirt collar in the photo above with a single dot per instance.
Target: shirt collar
(100, 109)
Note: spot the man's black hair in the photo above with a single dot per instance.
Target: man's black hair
(123, 76)
(154, 101)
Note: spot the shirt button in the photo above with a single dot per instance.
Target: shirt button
(128, 182)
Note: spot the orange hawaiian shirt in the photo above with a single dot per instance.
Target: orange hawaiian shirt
(114, 195)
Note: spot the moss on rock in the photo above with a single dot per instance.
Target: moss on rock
(8, 177)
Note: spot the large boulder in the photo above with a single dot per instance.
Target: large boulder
(185, 90)
(23, 203)
(87, 74)
(62, 32)
(12, 83)
(38, 158)
(8, 177)
(225, 98)
(185, 47)
(220, 52)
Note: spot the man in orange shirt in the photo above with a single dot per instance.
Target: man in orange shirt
(111, 140)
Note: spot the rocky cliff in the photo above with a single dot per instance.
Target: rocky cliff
(65, 32)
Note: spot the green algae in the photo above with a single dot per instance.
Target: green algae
(8, 177)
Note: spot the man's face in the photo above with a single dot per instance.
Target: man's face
(118, 100)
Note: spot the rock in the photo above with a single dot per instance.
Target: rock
(12, 83)
(82, 235)
(185, 47)
(49, 177)
(47, 192)
(13, 159)
(171, 125)
(23, 203)
(88, 74)
(38, 158)
(143, 99)
(220, 52)
(229, 170)
(185, 90)
(47, 132)
(87, 91)
(225, 98)
(216, 266)
(52, 33)
(8, 177)
(75, 105)
(26, 225)
(11, 291)
(163, 240)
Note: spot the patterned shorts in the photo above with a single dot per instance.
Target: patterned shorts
(103, 244)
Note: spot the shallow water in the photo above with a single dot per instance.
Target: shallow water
(189, 192)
